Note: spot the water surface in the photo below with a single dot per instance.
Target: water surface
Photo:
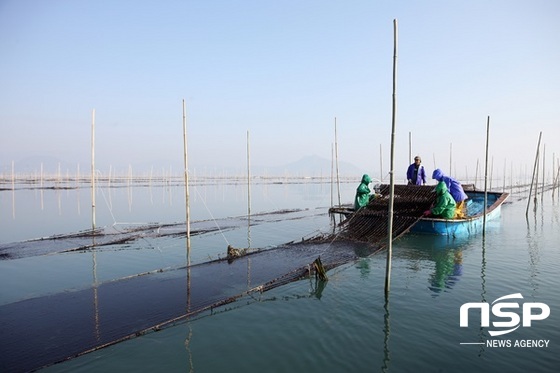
(345, 325)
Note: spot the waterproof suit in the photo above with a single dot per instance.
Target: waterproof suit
(416, 176)
(453, 185)
(445, 204)
(362, 193)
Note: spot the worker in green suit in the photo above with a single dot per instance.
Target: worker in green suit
(363, 193)
(444, 206)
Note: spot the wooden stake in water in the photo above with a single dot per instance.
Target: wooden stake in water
(537, 179)
(491, 173)
(533, 178)
(42, 201)
(187, 203)
(553, 173)
(504, 180)
(486, 178)
(336, 158)
(13, 190)
(511, 178)
(391, 172)
(248, 192)
(556, 180)
(93, 170)
(410, 147)
(381, 162)
(476, 173)
(543, 171)
(332, 174)
(451, 158)
(13, 175)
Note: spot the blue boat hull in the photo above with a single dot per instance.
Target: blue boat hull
(464, 227)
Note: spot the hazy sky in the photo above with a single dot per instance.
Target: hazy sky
(282, 70)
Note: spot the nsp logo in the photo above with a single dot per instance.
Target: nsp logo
(499, 308)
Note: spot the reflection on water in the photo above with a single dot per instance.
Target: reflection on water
(481, 330)
(449, 268)
(317, 287)
(364, 267)
(188, 339)
(386, 335)
(444, 253)
(539, 222)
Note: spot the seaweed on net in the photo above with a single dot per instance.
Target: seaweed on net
(176, 296)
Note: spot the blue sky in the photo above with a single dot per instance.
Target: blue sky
(282, 70)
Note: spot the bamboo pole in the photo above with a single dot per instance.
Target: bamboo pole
(556, 182)
(555, 174)
(558, 173)
(410, 147)
(504, 180)
(553, 171)
(42, 194)
(13, 175)
(93, 170)
(13, 190)
(336, 157)
(543, 171)
(511, 177)
(248, 211)
(332, 174)
(128, 187)
(77, 176)
(476, 173)
(451, 159)
(248, 193)
(491, 172)
(381, 161)
(391, 172)
(486, 178)
(58, 176)
(533, 178)
(109, 186)
(187, 202)
(537, 179)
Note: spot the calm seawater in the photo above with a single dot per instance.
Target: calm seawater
(345, 326)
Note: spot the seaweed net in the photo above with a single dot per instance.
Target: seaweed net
(112, 312)
(370, 224)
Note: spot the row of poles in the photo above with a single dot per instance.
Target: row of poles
(535, 177)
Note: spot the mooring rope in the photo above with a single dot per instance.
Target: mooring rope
(108, 207)
(211, 215)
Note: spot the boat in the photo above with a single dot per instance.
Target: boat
(470, 225)
(411, 201)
